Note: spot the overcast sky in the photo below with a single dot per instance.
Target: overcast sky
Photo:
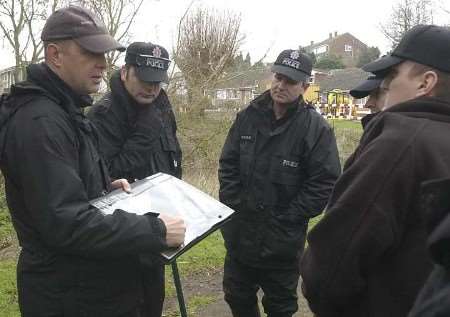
(272, 25)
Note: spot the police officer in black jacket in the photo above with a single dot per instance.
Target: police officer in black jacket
(135, 120)
(74, 261)
(277, 169)
(137, 132)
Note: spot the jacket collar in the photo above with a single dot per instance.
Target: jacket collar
(263, 103)
(41, 77)
(423, 107)
(120, 96)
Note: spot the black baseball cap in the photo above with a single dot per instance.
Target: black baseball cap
(151, 61)
(366, 87)
(424, 44)
(82, 26)
(293, 64)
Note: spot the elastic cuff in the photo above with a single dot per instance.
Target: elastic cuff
(159, 231)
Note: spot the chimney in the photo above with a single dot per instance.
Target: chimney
(312, 43)
(335, 33)
(330, 35)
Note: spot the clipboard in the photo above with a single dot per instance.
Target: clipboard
(164, 194)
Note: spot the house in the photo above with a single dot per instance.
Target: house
(345, 46)
(239, 88)
(333, 96)
(234, 97)
(335, 87)
(7, 78)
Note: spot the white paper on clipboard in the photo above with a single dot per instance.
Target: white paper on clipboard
(165, 194)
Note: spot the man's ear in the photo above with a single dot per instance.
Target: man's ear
(123, 73)
(53, 54)
(428, 82)
(305, 86)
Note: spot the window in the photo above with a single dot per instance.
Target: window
(348, 48)
(221, 94)
(321, 49)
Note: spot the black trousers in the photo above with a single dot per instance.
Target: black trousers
(153, 290)
(241, 283)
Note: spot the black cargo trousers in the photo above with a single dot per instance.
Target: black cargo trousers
(242, 282)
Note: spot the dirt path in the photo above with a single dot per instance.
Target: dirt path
(210, 285)
(11, 251)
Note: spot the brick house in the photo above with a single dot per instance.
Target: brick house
(345, 46)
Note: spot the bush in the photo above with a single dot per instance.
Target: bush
(6, 228)
(329, 62)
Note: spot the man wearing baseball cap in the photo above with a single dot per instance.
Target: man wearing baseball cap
(370, 87)
(74, 261)
(277, 169)
(368, 255)
(137, 130)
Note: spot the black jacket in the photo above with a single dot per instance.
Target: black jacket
(136, 140)
(74, 261)
(276, 179)
(433, 300)
(367, 256)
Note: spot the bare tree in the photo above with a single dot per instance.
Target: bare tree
(21, 22)
(405, 15)
(20, 25)
(208, 42)
(118, 16)
(444, 6)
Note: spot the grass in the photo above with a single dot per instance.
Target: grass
(202, 140)
(344, 124)
(203, 258)
(6, 228)
(195, 303)
(8, 289)
(348, 134)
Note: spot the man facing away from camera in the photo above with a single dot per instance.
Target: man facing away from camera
(368, 255)
(137, 132)
(277, 169)
(75, 261)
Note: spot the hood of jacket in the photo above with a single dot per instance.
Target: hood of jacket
(41, 82)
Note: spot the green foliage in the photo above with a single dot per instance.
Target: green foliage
(259, 65)
(310, 54)
(368, 55)
(338, 125)
(202, 138)
(193, 305)
(247, 61)
(207, 255)
(8, 289)
(329, 62)
(348, 134)
(313, 57)
(240, 64)
(6, 228)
